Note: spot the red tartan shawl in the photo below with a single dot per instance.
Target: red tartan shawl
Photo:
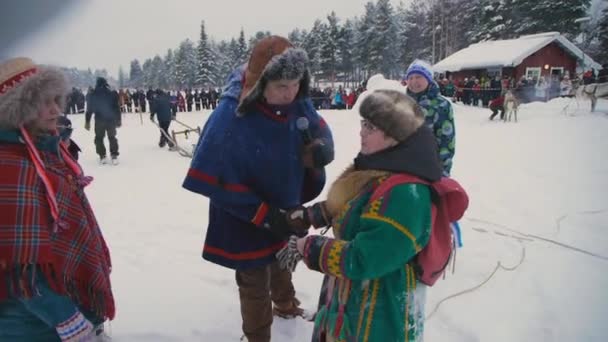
(74, 260)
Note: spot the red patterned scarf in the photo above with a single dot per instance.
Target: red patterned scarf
(47, 225)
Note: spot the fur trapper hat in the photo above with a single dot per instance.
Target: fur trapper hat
(272, 58)
(393, 112)
(24, 89)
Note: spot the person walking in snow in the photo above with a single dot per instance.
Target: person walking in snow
(262, 153)
(54, 262)
(103, 104)
(161, 107)
(371, 272)
(64, 129)
(438, 114)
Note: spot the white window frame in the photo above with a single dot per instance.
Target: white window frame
(557, 68)
(534, 70)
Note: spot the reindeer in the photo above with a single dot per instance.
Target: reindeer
(593, 91)
(511, 105)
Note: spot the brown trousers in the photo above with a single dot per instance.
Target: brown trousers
(258, 289)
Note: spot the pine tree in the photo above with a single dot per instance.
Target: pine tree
(549, 15)
(602, 38)
(122, 81)
(147, 73)
(186, 65)
(346, 42)
(296, 37)
(243, 50)
(135, 74)
(416, 32)
(329, 47)
(204, 70)
(382, 55)
(491, 22)
(225, 55)
(364, 38)
(312, 45)
(169, 69)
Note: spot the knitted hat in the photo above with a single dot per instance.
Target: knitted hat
(24, 89)
(393, 112)
(420, 67)
(272, 58)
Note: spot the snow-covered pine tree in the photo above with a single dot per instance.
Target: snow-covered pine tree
(296, 37)
(136, 74)
(383, 56)
(416, 32)
(549, 15)
(158, 73)
(243, 49)
(329, 47)
(186, 64)
(147, 72)
(225, 57)
(312, 45)
(601, 38)
(364, 36)
(204, 69)
(491, 24)
(122, 79)
(169, 69)
(346, 43)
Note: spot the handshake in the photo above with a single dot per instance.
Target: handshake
(297, 221)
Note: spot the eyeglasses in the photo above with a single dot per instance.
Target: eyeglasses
(368, 126)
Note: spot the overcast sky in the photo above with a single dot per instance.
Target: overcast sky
(110, 33)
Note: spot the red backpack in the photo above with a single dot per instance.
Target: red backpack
(449, 204)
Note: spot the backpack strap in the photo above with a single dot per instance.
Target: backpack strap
(390, 182)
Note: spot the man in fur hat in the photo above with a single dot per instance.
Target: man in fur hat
(54, 262)
(254, 163)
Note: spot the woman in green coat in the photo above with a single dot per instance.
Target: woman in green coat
(371, 292)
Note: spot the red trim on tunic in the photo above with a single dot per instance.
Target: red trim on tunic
(245, 255)
(213, 180)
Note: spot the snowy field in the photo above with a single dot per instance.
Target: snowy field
(539, 206)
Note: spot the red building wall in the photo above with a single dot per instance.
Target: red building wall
(552, 55)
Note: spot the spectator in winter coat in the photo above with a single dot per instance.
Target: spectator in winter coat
(256, 161)
(104, 104)
(438, 112)
(181, 102)
(565, 87)
(189, 99)
(54, 262)
(161, 107)
(602, 76)
(375, 241)
(197, 100)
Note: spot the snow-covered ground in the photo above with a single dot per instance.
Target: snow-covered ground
(544, 178)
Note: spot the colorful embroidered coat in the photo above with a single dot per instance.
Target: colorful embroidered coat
(372, 293)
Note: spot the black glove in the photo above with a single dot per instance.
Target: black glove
(284, 223)
(318, 215)
(317, 154)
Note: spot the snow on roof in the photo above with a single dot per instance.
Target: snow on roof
(508, 53)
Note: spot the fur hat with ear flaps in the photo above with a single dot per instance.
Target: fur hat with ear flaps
(394, 112)
(24, 88)
(273, 58)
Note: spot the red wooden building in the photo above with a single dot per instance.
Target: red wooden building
(544, 54)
